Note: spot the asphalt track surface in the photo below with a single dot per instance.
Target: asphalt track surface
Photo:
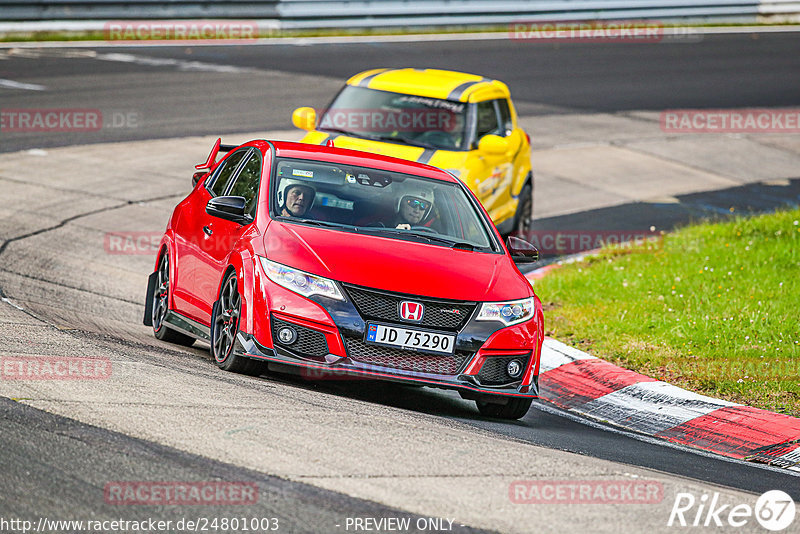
(185, 94)
(179, 91)
(43, 451)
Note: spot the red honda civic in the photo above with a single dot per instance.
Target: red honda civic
(339, 263)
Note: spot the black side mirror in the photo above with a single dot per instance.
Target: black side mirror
(196, 177)
(522, 251)
(229, 208)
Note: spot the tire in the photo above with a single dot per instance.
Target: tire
(225, 326)
(523, 218)
(514, 409)
(160, 307)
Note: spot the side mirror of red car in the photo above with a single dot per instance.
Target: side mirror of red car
(229, 208)
(522, 251)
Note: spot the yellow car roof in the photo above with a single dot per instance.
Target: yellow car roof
(432, 83)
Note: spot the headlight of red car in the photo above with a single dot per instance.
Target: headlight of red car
(509, 312)
(300, 282)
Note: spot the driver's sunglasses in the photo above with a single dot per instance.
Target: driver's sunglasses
(418, 204)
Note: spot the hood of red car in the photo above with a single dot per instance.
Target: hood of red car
(395, 265)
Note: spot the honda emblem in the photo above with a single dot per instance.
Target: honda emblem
(411, 311)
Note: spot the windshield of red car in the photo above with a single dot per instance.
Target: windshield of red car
(395, 117)
(365, 200)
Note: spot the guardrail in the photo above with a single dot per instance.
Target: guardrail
(388, 13)
(19, 10)
(779, 7)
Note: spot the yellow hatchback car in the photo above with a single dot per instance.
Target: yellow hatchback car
(462, 123)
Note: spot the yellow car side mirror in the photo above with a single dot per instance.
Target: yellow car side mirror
(493, 145)
(304, 118)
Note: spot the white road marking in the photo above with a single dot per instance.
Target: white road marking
(35, 53)
(8, 301)
(793, 456)
(11, 84)
(135, 59)
(555, 354)
(180, 64)
(650, 440)
(650, 407)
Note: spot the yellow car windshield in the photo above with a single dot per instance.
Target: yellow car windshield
(395, 117)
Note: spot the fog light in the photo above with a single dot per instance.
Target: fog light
(287, 335)
(514, 368)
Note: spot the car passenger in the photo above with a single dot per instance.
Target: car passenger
(295, 199)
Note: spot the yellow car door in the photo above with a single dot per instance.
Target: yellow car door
(493, 160)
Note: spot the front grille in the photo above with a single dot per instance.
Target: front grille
(384, 306)
(445, 364)
(308, 343)
(493, 371)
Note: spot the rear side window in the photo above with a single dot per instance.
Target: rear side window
(223, 175)
(487, 119)
(505, 117)
(247, 182)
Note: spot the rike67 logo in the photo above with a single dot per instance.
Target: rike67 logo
(774, 510)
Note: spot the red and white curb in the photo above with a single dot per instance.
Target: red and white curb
(541, 272)
(590, 387)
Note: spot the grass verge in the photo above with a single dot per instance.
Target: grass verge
(714, 308)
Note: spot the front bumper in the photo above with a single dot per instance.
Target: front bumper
(330, 342)
(333, 367)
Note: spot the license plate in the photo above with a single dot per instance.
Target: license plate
(407, 338)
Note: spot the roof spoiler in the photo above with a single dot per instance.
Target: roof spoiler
(212, 156)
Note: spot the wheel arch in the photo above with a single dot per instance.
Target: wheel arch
(167, 247)
(525, 181)
(242, 264)
(522, 162)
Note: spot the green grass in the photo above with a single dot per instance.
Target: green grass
(714, 308)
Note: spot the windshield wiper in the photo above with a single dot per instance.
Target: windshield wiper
(452, 244)
(338, 130)
(326, 224)
(348, 133)
(401, 139)
(390, 138)
(427, 236)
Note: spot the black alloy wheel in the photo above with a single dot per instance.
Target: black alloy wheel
(160, 307)
(225, 327)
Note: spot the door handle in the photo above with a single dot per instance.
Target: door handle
(208, 230)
